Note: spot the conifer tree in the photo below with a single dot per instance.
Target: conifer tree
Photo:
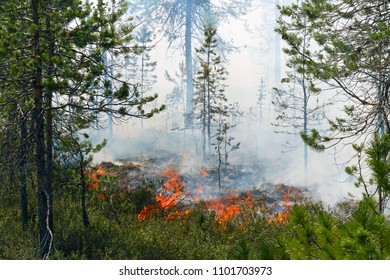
(52, 68)
(175, 100)
(376, 183)
(349, 53)
(142, 66)
(261, 95)
(181, 21)
(209, 101)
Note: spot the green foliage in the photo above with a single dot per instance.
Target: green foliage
(114, 232)
(56, 80)
(316, 233)
(15, 243)
(378, 160)
(210, 99)
(314, 140)
(342, 45)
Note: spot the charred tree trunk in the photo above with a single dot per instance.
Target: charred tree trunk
(45, 234)
(83, 192)
(306, 97)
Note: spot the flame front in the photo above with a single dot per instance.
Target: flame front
(282, 216)
(168, 197)
(226, 209)
(93, 177)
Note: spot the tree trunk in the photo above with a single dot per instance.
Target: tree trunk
(45, 235)
(208, 102)
(23, 169)
(83, 189)
(189, 72)
(11, 137)
(49, 123)
(277, 51)
(204, 117)
(306, 97)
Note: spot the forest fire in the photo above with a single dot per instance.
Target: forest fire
(282, 216)
(177, 195)
(168, 198)
(93, 177)
(168, 201)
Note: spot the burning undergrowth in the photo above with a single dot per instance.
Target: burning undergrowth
(176, 191)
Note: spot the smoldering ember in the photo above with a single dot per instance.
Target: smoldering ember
(183, 129)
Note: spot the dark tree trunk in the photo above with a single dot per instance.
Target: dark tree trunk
(49, 124)
(83, 192)
(23, 169)
(9, 154)
(204, 121)
(45, 234)
(83, 187)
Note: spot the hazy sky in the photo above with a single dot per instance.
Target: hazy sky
(246, 66)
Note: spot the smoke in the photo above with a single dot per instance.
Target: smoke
(325, 177)
(262, 157)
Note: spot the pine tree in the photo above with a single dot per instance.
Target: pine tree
(175, 100)
(52, 69)
(350, 45)
(142, 65)
(295, 105)
(316, 233)
(182, 21)
(261, 95)
(377, 157)
(209, 101)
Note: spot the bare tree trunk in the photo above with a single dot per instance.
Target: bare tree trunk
(189, 72)
(208, 103)
(204, 115)
(11, 137)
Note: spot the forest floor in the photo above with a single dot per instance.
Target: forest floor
(203, 182)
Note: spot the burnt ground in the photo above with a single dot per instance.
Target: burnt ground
(202, 180)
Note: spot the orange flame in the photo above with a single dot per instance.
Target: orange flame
(282, 216)
(232, 208)
(167, 198)
(93, 177)
(100, 171)
(223, 210)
